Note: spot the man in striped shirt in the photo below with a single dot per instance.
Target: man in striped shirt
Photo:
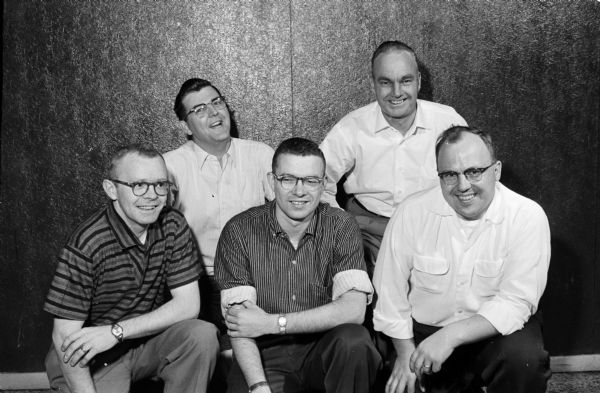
(114, 322)
(294, 286)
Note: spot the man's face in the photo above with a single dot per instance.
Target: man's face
(298, 204)
(469, 200)
(396, 81)
(211, 128)
(137, 211)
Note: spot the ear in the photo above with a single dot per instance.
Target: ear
(498, 170)
(271, 178)
(419, 82)
(110, 189)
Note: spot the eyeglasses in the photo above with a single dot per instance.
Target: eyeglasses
(288, 182)
(161, 188)
(202, 109)
(473, 175)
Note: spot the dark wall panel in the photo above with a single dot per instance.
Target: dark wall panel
(80, 78)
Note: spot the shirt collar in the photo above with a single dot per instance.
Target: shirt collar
(420, 124)
(124, 234)
(202, 155)
(495, 212)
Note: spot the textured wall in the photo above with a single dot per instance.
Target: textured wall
(80, 77)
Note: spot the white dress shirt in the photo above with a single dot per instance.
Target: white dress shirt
(383, 167)
(430, 269)
(210, 194)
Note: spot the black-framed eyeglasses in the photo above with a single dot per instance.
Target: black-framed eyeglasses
(202, 109)
(473, 175)
(140, 188)
(288, 182)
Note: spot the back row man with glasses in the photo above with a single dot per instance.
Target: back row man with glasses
(294, 287)
(459, 276)
(125, 295)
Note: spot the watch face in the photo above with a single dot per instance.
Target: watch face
(117, 330)
(282, 321)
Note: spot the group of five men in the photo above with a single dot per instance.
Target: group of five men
(458, 270)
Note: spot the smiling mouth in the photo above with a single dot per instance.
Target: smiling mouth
(465, 198)
(298, 203)
(397, 102)
(216, 123)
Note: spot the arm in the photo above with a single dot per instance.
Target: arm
(339, 157)
(436, 348)
(252, 321)
(248, 358)
(185, 304)
(78, 377)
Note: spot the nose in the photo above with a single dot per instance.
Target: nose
(299, 189)
(151, 193)
(463, 184)
(212, 110)
(397, 89)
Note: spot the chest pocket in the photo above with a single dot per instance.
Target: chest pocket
(487, 276)
(430, 274)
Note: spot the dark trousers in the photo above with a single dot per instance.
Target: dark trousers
(504, 364)
(341, 360)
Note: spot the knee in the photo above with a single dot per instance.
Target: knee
(351, 337)
(200, 335)
(527, 358)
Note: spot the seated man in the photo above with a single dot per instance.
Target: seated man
(113, 323)
(385, 149)
(459, 276)
(294, 287)
(217, 176)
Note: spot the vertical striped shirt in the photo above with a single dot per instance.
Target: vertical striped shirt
(256, 261)
(104, 274)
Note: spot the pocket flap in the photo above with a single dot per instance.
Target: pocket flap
(488, 268)
(431, 265)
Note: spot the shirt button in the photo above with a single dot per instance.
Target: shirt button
(294, 262)
(460, 311)
(294, 297)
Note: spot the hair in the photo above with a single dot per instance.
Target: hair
(388, 46)
(297, 147)
(455, 134)
(137, 148)
(197, 84)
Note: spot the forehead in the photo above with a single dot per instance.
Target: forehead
(134, 167)
(202, 96)
(300, 166)
(395, 62)
(468, 151)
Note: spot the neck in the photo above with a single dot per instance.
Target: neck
(294, 229)
(218, 149)
(402, 124)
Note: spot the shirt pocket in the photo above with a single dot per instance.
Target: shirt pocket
(487, 276)
(430, 274)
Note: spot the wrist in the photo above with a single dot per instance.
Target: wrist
(258, 386)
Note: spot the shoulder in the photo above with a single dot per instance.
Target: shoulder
(251, 218)
(440, 113)
(179, 155)
(252, 148)
(336, 217)
(519, 206)
(172, 220)
(435, 107)
(359, 114)
(92, 232)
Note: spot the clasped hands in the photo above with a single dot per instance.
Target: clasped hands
(80, 347)
(248, 320)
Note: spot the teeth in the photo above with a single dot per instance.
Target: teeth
(298, 203)
(397, 102)
(466, 198)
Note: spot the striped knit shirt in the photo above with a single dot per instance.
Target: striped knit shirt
(104, 274)
(256, 261)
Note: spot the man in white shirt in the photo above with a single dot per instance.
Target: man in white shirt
(386, 149)
(217, 177)
(459, 276)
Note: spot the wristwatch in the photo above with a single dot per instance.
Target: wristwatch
(117, 331)
(282, 322)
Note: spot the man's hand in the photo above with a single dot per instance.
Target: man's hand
(401, 377)
(81, 346)
(248, 320)
(431, 354)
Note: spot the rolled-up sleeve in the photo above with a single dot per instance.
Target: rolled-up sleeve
(352, 280)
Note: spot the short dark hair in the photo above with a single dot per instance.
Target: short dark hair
(197, 84)
(455, 134)
(388, 46)
(297, 147)
(138, 148)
